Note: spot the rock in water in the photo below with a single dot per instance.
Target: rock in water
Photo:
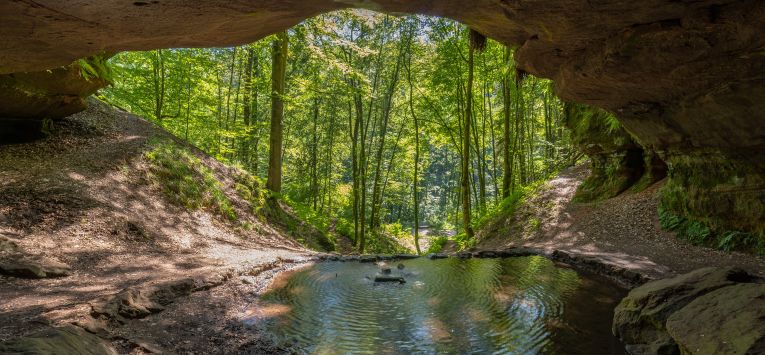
(433, 256)
(400, 266)
(67, 340)
(386, 271)
(389, 278)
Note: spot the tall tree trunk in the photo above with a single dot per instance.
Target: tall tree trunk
(465, 181)
(247, 107)
(507, 163)
(278, 76)
(158, 69)
(415, 196)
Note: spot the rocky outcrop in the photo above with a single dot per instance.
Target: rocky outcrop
(67, 340)
(663, 316)
(14, 262)
(29, 98)
(141, 301)
(30, 269)
(730, 320)
(617, 161)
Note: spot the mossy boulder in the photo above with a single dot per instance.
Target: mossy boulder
(641, 318)
(730, 320)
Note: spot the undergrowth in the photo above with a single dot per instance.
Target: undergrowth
(436, 244)
(700, 233)
(186, 180)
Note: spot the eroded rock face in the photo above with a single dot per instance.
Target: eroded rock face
(663, 316)
(618, 162)
(730, 320)
(686, 78)
(28, 98)
(141, 301)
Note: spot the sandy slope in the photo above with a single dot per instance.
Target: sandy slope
(81, 197)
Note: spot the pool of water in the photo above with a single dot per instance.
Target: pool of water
(522, 305)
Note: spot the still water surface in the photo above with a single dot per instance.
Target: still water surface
(522, 305)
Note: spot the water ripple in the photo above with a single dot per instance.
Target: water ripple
(482, 306)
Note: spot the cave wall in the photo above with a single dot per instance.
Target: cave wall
(617, 161)
(686, 78)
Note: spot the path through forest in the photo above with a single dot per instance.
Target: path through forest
(624, 229)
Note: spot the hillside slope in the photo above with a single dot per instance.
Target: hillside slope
(104, 195)
(624, 230)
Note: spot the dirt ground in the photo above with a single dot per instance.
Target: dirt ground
(624, 229)
(81, 197)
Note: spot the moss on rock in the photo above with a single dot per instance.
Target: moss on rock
(618, 161)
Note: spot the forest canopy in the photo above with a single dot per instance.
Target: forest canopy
(388, 122)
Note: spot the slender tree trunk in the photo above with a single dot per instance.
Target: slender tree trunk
(415, 197)
(465, 182)
(247, 107)
(278, 77)
(507, 163)
(158, 69)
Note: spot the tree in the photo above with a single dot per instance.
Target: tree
(278, 75)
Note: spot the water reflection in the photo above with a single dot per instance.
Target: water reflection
(521, 305)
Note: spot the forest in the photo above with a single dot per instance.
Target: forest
(369, 124)
(384, 177)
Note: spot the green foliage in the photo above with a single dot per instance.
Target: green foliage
(251, 189)
(463, 242)
(700, 233)
(395, 68)
(95, 67)
(436, 244)
(186, 180)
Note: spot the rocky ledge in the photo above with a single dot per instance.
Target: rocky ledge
(706, 311)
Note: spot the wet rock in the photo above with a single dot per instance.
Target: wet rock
(641, 317)
(389, 278)
(400, 266)
(486, 254)
(464, 255)
(405, 256)
(141, 301)
(730, 320)
(33, 269)
(60, 341)
(368, 258)
(386, 271)
(385, 257)
(433, 256)
(518, 252)
(350, 258)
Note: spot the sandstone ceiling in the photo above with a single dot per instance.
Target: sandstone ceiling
(685, 77)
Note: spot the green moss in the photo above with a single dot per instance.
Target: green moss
(617, 161)
(186, 180)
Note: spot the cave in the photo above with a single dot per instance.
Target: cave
(685, 78)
